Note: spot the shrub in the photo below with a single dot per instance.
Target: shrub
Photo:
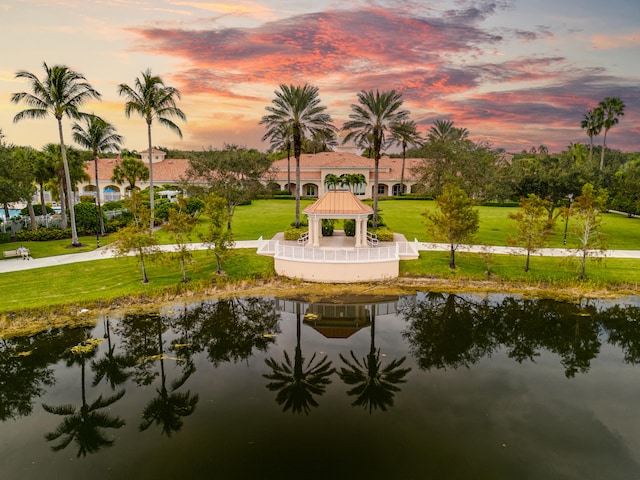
(117, 205)
(294, 233)
(194, 205)
(87, 199)
(43, 234)
(87, 217)
(163, 207)
(119, 221)
(327, 227)
(5, 237)
(384, 234)
(350, 227)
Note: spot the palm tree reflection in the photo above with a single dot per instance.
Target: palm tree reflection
(297, 382)
(84, 426)
(168, 408)
(374, 386)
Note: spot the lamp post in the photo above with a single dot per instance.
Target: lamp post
(566, 224)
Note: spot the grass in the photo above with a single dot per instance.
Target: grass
(105, 281)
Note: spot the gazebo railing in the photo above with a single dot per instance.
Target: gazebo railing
(338, 255)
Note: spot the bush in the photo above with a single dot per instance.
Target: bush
(87, 217)
(384, 234)
(119, 221)
(5, 237)
(43, 234)
(327, 227)
(294, 233)
(87, 199)
(117, 205)
(163, 207)
(350, 228)
(194, 205)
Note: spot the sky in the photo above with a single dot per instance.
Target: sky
(515, 73)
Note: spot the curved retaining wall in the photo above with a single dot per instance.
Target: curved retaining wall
(337, 272)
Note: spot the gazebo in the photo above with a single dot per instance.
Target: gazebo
(338, 204)
(337, 259)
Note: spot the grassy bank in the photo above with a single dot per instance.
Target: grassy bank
(117, 281)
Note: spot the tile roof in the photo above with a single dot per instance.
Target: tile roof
(341, 202)
(311, 166)
(168, 171)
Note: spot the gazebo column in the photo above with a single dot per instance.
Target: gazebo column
(317, 230)
(363, 231)
(310, 232)
(358, 233)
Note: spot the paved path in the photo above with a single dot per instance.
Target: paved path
(17, 264)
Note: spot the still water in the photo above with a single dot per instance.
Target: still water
(426, 386)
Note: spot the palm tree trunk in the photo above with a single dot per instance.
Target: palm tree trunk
(63, 205)
(289, 169)
(151, 194)
(32, 215)
(375, 190)
(43, 206)
(95, 158)
(404, 152)
(604, 147)
(70, 198)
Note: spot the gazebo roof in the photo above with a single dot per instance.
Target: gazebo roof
(338, 202)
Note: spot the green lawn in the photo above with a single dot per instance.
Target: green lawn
(107, 280)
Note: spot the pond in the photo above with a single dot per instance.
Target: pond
(425, 386)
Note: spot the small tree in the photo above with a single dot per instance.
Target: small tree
(136, 236)
(218, 238)
(533, 225)
(455, 220)
(180, 226)
(587, 223)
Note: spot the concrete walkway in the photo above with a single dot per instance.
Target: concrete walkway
(17, 264)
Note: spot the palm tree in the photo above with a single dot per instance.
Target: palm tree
(592, 123)
(61, 92)
(331, 181)
(612, 108)
(281, 139)
(98, 136)
(75, 167)
(298, 108)
(403, 134)
(444, 131)
(374, 115)
(130, 169)
(152, 99)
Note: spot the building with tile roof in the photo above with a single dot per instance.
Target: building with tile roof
(314, 169)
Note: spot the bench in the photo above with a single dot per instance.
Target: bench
(14, 253)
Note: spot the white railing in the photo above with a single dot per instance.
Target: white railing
(321, 255)
(408, 249)
(372, 239)
(267, 247)
(304, 238)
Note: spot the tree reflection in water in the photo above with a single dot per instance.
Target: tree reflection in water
(297, 383)
(84, 425)
(374, 387)
(146, 342)
(448, 330)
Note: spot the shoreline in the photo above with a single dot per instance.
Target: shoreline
(30, 322)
